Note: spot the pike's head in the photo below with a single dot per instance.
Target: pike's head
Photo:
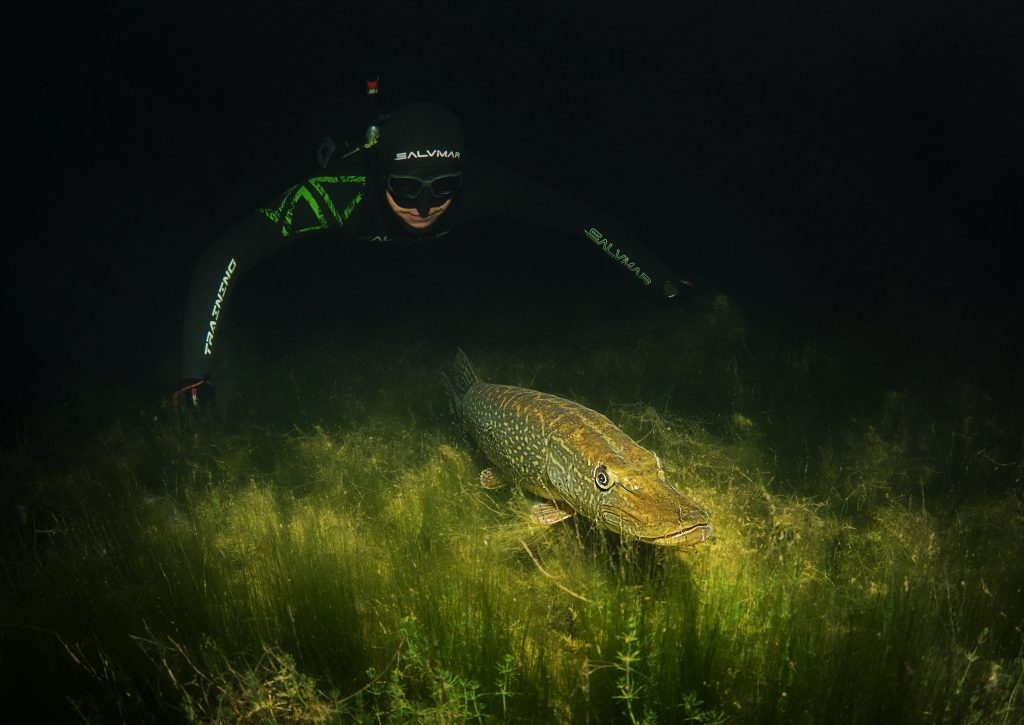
(636, 500)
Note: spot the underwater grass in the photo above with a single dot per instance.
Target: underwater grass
(865, 564)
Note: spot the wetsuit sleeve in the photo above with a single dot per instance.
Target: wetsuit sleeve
(492, 191)
(316, 205)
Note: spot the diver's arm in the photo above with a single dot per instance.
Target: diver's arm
(318, 204)
(247, 243)
(496, 191)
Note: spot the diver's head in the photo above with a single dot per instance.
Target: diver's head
(420, 155)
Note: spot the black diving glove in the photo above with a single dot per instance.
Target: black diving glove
(193, 396)
(677, 291)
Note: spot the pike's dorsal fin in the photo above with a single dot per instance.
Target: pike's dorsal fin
(550, 513)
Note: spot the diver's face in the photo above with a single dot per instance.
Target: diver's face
(413, 218)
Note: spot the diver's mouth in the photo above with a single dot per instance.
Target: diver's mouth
(699, 532)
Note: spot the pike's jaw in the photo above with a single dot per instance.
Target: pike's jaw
(690, 536)
(687, 536)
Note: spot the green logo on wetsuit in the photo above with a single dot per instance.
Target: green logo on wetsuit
(312, 196)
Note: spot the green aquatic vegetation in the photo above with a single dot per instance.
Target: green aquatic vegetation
(270, 689)
(503, 683)
(351, 567)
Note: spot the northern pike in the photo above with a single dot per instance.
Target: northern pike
(575, 458)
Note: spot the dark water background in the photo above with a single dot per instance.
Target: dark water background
(817, 162)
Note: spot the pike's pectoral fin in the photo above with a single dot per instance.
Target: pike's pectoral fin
(550, 513)
(491, 479)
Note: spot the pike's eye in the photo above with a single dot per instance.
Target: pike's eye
(602, 479)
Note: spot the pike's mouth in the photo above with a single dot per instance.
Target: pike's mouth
(690, 536)
(687, 536)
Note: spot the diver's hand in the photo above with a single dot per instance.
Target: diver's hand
(677, 290)
(194, 396)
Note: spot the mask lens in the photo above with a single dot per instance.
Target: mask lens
(408, 188)
(441, 186)
(404, 187)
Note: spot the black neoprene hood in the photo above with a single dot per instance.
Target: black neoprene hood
(421, 138)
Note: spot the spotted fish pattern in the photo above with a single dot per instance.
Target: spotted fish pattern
(575, 458)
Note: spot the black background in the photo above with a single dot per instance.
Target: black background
(850, 159)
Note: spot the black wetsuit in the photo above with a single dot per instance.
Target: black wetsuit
(348, 198)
